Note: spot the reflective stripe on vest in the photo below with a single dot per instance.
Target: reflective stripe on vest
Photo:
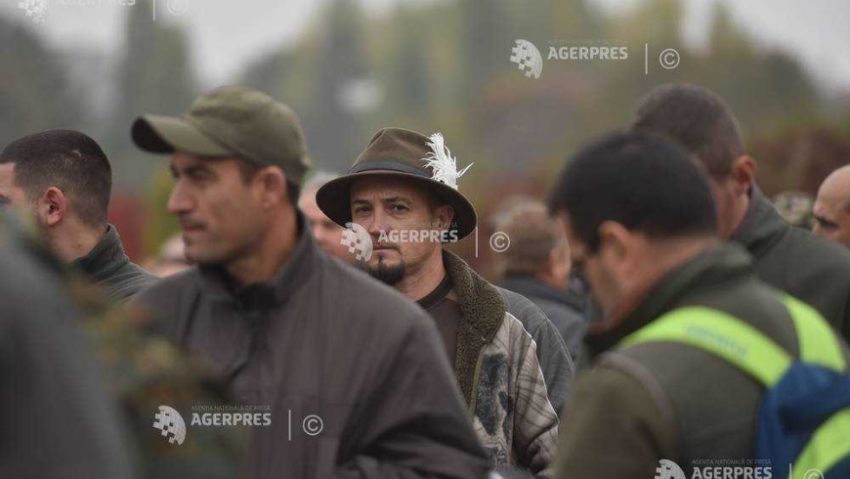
(751, 351)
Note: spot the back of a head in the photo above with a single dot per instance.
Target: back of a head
(643, 181)
(533, 234)
(316, 181)
(68, 160)
(698, 119)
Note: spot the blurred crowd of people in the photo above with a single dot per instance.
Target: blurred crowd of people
(654, 306)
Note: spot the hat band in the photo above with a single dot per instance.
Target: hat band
(388, 165)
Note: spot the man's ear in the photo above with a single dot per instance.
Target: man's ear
(443, 217)
(616, 238)
(743, 173)
(52, 207)
(272, 181)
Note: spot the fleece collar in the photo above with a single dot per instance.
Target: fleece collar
(483, 311)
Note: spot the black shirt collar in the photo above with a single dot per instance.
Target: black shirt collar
(440, 292)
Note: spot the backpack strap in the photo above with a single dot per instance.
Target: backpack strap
(751, 351)
(817, 342)
(722, 335)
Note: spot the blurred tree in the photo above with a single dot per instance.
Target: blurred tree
(35, 89)
(155, 75)
(332, 119)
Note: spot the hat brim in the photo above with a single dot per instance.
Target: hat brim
(334, 199)
(164, 134)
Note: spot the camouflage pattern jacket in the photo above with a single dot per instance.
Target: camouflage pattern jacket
(500, 376)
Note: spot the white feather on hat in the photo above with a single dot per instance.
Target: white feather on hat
(441, 161)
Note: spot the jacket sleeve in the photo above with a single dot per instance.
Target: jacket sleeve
(614, 428)
(535, 420)
(415, 424)
(552, 353)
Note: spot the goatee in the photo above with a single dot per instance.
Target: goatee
(389, 275)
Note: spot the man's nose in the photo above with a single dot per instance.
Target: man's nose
(377, 224)
(180, 201)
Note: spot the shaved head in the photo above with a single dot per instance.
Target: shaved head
(832, 207)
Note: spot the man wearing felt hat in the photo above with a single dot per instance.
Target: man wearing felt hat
(401, 190)
(286, 327)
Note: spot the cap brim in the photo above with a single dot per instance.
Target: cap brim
(164, 134)
(334, 199)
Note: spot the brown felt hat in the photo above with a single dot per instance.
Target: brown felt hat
(405, 154)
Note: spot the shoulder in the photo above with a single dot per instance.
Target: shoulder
(522, 309)
(814, 254)
(362, 297)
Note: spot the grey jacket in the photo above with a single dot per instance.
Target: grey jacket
(324, 340)
(565, 309)
(108, 266)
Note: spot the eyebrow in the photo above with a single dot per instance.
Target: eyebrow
(189, 170)
(383, 200)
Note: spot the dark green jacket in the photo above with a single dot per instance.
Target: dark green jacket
(809, 268)
(668, 400)
(108, 266)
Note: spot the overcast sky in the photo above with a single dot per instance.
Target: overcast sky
(228, 34)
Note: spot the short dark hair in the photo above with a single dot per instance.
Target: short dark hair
(642, 181)
(698, 119)
(68, 160)
(247, 170)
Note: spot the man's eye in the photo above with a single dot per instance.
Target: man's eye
(398, 208)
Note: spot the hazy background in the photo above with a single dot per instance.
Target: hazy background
(349, 67)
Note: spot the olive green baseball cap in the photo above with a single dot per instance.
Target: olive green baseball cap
(231, 121)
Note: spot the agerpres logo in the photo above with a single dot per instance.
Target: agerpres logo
(527, 58)
(357, 240)
(171, 424)
(668, 470)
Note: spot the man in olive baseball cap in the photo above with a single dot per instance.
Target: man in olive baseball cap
(284, 326)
